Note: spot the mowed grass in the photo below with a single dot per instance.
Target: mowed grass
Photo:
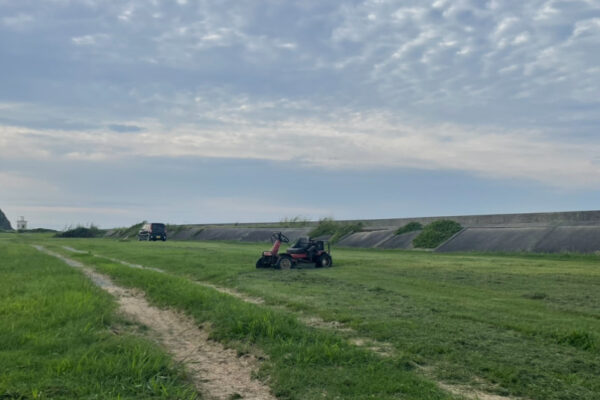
(298, 362)
(519, 325)
(61, 339)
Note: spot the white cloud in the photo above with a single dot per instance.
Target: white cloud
(348, 141)
(89, 40)
(587, 27)
(18, 21)
(521, 38)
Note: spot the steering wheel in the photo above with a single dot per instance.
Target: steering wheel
(279, 236)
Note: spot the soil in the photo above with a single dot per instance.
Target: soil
(217, 372)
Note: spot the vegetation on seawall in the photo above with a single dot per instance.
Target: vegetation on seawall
(436, 233)
(410, 227)
(81, 232)
(334, 229)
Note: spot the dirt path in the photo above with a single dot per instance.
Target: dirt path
(381, 348)
(217, 372)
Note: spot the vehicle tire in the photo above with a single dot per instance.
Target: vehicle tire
(164, 238)
(284, 263)
(324, 260)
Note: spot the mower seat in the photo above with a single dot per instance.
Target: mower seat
(300, 246)
(296, 250)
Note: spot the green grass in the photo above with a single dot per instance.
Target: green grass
(516, 324)
(294, 222)
(301, 362)
(436, 233)
(58, 341)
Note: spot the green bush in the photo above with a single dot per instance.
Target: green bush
(81, 232)
(37, 230)
(410, 227)
(123, 233)
(294, 222)
(436, 233)
(337, 230)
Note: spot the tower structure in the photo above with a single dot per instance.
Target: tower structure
(21, 224)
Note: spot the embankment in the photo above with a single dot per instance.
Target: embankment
(556, 232)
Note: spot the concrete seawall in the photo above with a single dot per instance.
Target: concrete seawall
(557, 239)
(236, 234)
(577, 231)
(530, 219)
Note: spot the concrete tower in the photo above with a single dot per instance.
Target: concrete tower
(21, 224)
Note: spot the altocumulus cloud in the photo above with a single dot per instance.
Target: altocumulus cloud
(500, 89)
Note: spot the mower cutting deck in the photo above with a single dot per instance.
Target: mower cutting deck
(305, 250)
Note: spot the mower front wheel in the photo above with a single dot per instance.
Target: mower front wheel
(284, 263)
(263, 262)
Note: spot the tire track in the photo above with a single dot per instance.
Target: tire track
(218, 373)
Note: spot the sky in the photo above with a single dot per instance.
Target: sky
(118, 111)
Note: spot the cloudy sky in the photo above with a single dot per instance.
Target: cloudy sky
(116, 111)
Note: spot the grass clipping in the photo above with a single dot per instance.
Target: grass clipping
(436, 233)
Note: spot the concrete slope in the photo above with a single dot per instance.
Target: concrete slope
(249, 234)
(580, 239)
(366, 239)
(570, 218)
(557, 239)
(380, 239)
(184, 233)
(496, 239)
(403, 241)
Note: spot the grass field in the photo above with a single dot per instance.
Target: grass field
(517, 325)
(60, 337)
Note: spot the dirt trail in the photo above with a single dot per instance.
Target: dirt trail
(381, 348)
(217, 372)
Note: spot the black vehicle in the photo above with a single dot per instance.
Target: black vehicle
(153, 231)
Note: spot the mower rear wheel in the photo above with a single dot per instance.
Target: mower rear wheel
(284, 262)
(324, 260)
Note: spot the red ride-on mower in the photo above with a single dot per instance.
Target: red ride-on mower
(305, 250)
